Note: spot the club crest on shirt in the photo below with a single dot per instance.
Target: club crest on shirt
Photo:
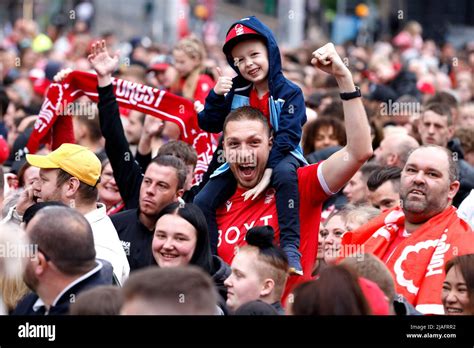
(269, 195)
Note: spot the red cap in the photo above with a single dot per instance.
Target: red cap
(159, 67)
(375, 297)
(236, 32)
(426, 88)
(4, 150)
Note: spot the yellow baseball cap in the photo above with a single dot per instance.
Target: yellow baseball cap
(74, 159)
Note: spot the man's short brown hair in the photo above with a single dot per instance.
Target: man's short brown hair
(88, 194)
(440, 109)
(178, 290)
(247, 113)
(181, 150)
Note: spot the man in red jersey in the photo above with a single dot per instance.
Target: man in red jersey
(247, 144)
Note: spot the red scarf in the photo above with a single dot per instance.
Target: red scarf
(54, 130)
(417, 263)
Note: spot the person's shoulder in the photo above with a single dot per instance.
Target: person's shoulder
(287, 86)
(308, 169)
(25, 305)
(465, 167)
(124, 215)
(312, 183)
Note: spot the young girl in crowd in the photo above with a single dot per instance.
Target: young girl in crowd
(189, 55)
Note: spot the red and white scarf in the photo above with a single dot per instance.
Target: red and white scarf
(54, 130)
(417, 263)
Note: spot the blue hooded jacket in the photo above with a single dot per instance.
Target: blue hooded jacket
(287, 106)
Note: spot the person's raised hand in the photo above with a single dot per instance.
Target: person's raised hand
(224, 83)
(101, 61)
(326, 59)
(152, 125)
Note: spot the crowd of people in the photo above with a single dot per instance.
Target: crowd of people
(238, 179)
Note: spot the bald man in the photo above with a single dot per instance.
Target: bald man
(394, 150)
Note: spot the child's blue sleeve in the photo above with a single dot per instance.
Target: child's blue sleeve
(216, 109)
(290, 124)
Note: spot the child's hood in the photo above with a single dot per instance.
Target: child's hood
(274, 66)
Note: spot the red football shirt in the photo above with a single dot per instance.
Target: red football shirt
(236, 217)
(260, 103)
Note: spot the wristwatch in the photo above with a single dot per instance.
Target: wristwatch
(351, 95)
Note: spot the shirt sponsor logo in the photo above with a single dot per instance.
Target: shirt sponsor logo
(232, 234)
(435, 266)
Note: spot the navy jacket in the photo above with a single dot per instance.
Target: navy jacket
(287, 107)
(102, 274)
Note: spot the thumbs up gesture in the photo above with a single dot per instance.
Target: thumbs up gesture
(224, 83)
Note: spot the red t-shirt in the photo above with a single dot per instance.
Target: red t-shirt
(203, 87)
(260, 103)
(236, 217)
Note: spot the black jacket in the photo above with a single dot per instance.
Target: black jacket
(136, 238)
(220, 272)
(127, 172)
(102, 276)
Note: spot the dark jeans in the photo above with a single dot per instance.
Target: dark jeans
(285, 181)
(215, 193)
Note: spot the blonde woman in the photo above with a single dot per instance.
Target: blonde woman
(189, 55)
